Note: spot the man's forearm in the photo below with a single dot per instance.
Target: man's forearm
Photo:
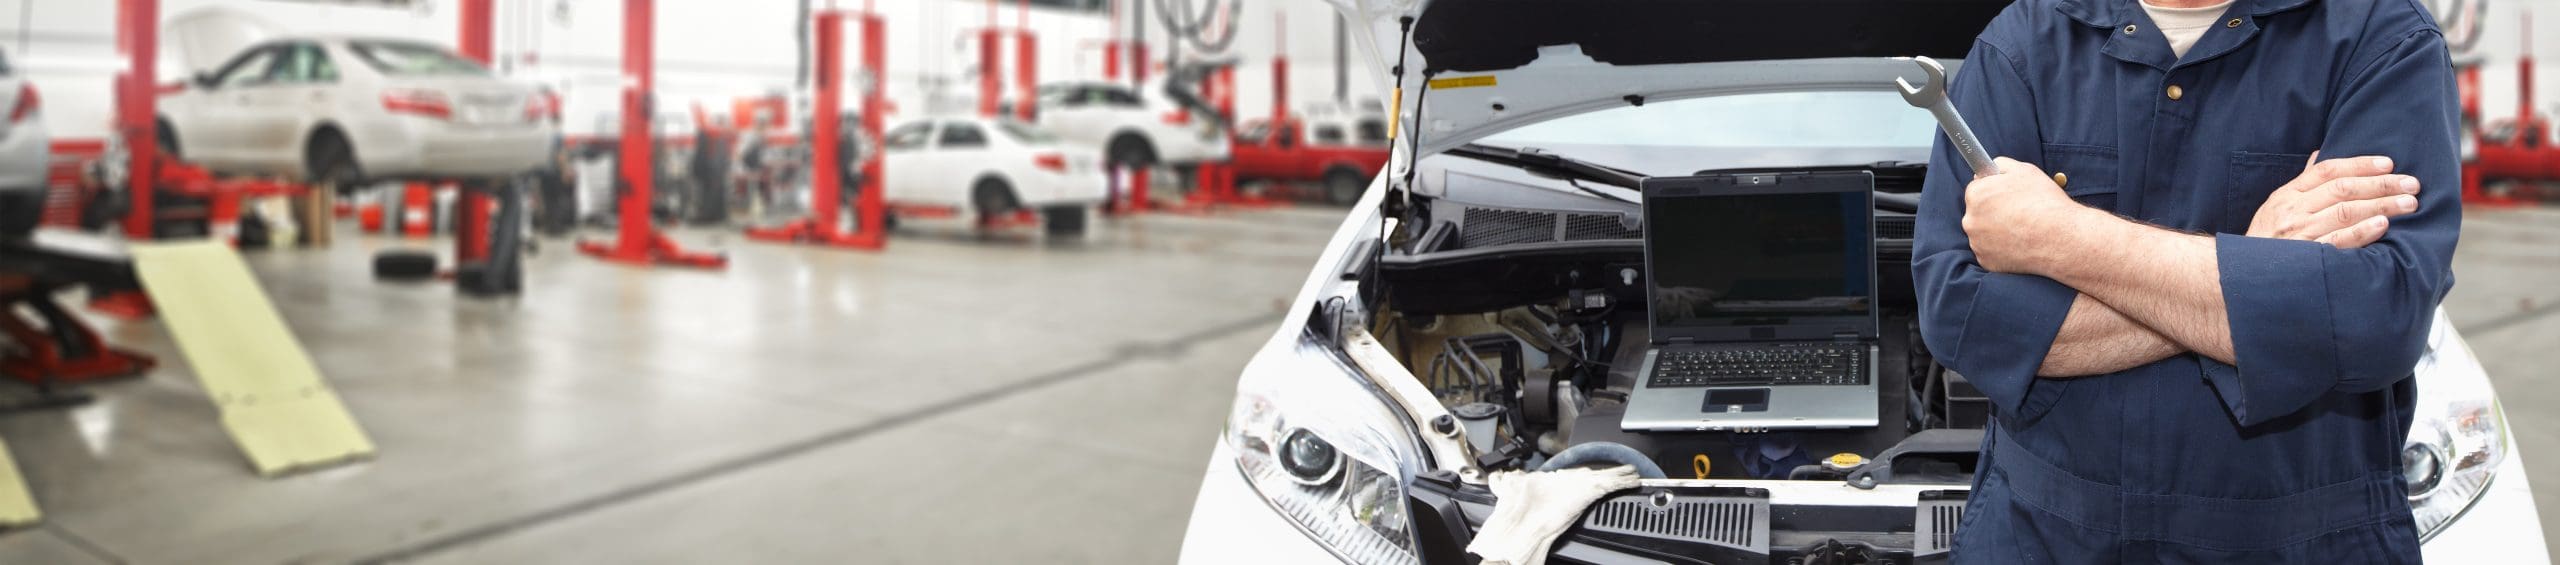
(2097, 340)
(2167, 281)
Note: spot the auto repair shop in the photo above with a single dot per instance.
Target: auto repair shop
(964, 281)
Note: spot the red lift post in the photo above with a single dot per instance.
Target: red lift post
(827, 184)
(1026, 66)
(137, 106)
(1134, 50)
(638, 241)
(471, 222)
(990, 64)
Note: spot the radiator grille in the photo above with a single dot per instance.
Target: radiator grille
(1893, 227)
(1934, 529)
(1730, 522)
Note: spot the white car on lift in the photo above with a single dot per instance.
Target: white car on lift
(1354, 435)
(24, 145)
(345, 110)
(990, 168)
(1131, 128)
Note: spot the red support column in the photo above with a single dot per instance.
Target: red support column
(827, 189)
(1026, 66)
(472, 206)
(137, 106)
(638, 241)
(870, 207)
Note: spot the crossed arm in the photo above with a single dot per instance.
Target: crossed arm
(2330, 289)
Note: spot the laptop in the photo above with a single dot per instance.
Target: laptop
(1762, 303)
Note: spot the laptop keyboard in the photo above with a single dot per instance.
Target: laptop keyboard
(1775, 365)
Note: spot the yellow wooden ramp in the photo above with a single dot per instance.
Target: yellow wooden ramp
(17, 508)
(271, 396)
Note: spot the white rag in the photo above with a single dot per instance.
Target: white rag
(1532, 509)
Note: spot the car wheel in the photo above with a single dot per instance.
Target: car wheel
(1343, 187)
(993, 199)
(333, 164)
(1130, 151)
(1066, 220)
(404, 265)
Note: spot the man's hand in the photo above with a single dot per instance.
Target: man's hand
(2341, 202)
(2012, 214)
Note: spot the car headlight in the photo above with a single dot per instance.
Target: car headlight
(2458, 436)
(1321, 444)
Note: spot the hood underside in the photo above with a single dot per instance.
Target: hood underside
(1473, 68)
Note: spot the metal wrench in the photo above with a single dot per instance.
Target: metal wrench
(1933, 97)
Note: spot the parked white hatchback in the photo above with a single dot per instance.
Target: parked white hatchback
(990, 168)
(347, 110)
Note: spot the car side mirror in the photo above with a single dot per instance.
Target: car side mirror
(203, 80)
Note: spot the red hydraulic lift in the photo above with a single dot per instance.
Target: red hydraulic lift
(990, 64)
(639, 242)
(1134, 50)
(137, 104)
(2527, 155)
(827, 186)
(471, 223)
(1026, 66)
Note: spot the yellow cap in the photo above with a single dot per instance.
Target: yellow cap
(1846, 460)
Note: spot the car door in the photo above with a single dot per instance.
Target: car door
(961, 153)
(280, 110)
(902, 154)
(1068, 111)
(208, 118)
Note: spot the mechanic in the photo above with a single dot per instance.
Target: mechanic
(2196, 332)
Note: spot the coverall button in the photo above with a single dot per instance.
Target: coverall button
(2176, 93)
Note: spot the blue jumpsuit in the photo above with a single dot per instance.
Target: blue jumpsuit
(2292, 456)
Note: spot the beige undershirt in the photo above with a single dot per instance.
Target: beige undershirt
(2185, 25)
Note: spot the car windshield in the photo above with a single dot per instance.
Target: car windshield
(404, 58)
(1744, 123)
(1024, 133)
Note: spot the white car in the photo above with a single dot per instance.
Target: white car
(24, 146)
(346, 110)
(1129, 127)
(990, 167)
(1480, 308)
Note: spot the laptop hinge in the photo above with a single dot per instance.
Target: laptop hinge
(1846, 336)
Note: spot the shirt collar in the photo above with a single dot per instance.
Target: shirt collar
(2114, 13)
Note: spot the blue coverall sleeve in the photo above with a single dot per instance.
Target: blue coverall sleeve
(2307, 318)
(1994, 328)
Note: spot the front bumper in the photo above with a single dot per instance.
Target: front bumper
(1230, 523)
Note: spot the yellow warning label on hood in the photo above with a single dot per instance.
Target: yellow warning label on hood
(1461, 82)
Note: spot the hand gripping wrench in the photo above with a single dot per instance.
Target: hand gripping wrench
(1932, 96)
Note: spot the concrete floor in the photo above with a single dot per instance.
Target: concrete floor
(806, 405)
(955, 399)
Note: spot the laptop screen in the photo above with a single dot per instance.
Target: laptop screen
(1759, 258)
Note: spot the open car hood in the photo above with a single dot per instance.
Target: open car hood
(207, 37)
(1474, 68)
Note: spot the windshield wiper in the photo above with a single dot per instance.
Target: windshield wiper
(1540, 161)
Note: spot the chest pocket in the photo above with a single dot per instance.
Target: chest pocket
(2252, 177)
(2086, 172)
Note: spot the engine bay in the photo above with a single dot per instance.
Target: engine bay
(1529, 324)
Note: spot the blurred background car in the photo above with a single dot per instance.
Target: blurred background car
(1131, 129)
(23, 147)
(990, 168)
(342, 111)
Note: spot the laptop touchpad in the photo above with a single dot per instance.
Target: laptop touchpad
(1737, 400)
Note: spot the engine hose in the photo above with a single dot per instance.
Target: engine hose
(1605, 452)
